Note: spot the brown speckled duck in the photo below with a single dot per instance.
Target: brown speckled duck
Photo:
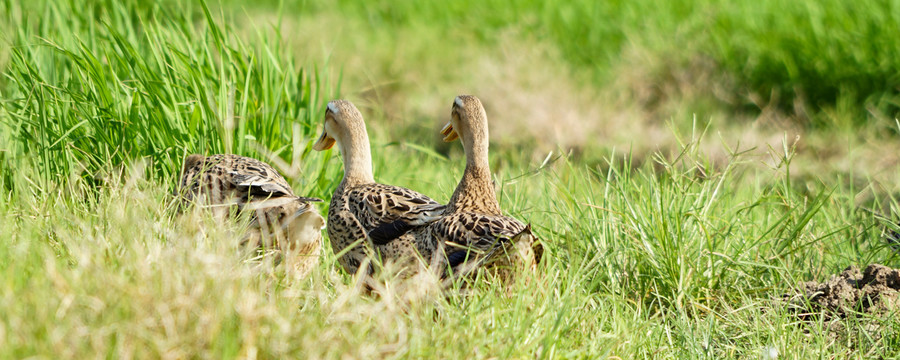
(280, 221)
(366, 217)
(473, 229)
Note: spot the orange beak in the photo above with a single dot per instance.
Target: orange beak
(449, 133)
(325, 142)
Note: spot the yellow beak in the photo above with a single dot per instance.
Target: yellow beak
(325, 142)
(449, 133)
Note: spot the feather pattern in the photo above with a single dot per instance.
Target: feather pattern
(280, 220)
(224, 177)
(365, 217)
(473, 232)
(368, 210)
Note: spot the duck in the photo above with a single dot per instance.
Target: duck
(473, 230)
(280, 221)
(366, 218)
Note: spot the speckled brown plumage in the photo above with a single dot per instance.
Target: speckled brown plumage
(473, 230)
(280, 220)
(365, 216)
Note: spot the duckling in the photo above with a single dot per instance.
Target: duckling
(280, 221)
(366, 217)
(473, 229)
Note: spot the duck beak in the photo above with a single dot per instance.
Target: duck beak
(449, 133)
(325, 142)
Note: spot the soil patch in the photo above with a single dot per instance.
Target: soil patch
(873, 290)
(872, 293)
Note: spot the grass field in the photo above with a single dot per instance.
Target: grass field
(687, 166)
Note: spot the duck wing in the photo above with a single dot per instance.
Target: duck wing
(387, 212)
(257, 178)
(472, 240)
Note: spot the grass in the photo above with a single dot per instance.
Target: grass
(127, 82)
(652, 65)
(670, 254)
(801, 57)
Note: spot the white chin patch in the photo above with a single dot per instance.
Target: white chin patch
(459, 101)
(333, 107)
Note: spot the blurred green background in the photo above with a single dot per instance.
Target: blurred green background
(578, 75)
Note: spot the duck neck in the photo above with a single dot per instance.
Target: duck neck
(357, 155)
(475, 192)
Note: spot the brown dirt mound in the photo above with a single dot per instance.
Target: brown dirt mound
(869, 297)
(873, 291)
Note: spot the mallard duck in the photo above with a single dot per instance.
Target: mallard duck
(473, 229)
(280, 220)
(364, 215)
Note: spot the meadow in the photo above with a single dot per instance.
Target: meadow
(687, 165)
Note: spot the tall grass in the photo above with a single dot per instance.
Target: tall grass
(671, 256)
(106, 82)
(687, 259)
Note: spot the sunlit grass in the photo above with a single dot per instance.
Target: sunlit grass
(801, 57)
(669, 255)
(640, 263)
(115, 83)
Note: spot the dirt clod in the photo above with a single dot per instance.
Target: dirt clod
(873, 291)
(853, 304)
